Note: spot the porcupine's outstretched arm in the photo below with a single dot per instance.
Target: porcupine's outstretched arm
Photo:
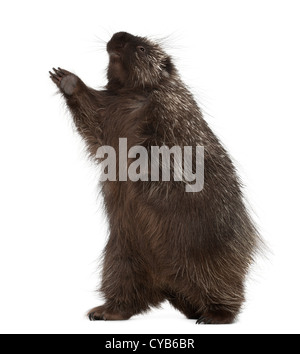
(85, 105)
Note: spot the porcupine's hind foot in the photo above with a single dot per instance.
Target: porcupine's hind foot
(101, 313)
(216, 314)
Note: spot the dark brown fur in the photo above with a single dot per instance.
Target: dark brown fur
(192, 249)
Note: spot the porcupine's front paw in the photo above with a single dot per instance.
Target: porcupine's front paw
(102, 313)
(65, 81)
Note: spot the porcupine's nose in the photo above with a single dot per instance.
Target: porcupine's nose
(118, 42)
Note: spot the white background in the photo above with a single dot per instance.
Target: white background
(242, 61)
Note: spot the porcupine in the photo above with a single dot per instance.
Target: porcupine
(192, 249)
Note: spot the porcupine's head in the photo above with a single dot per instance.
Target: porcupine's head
(137, 62)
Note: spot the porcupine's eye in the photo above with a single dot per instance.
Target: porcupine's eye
(141, 49)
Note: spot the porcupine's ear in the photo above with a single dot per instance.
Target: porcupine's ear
(168, 66)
